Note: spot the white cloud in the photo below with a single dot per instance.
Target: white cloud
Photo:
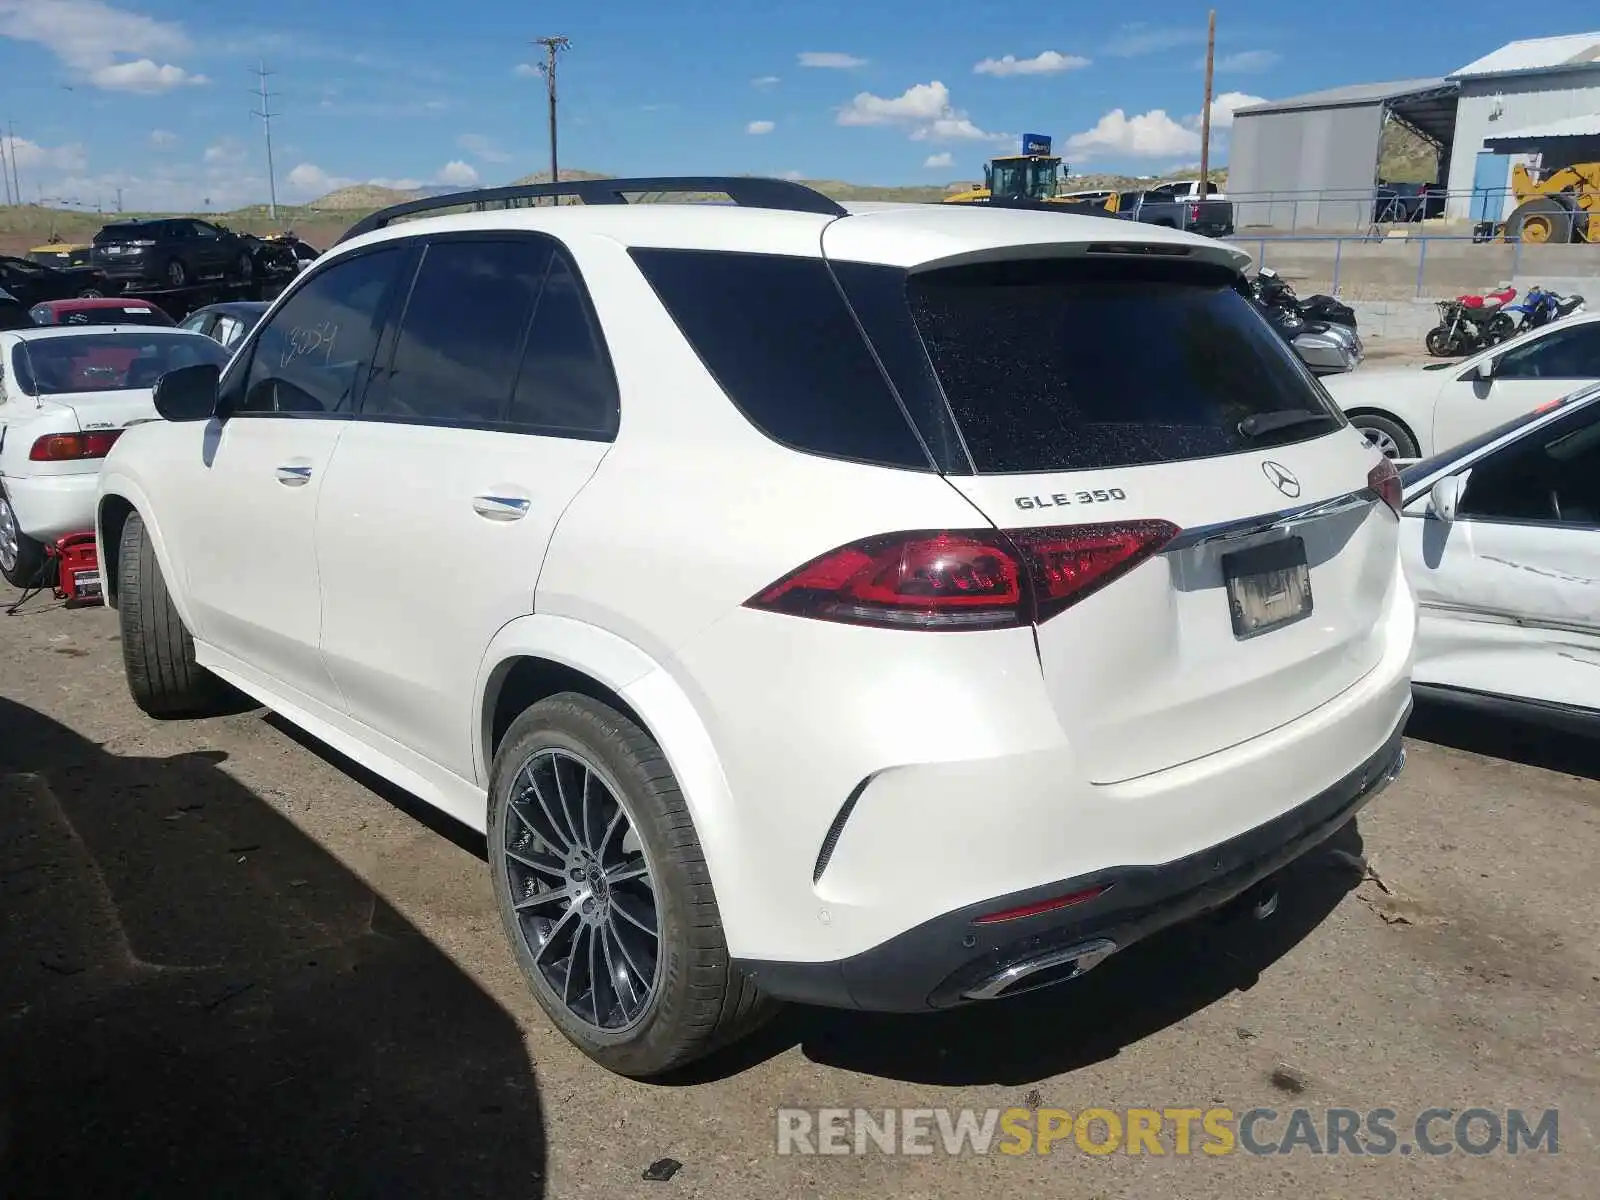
(923, 107)
(526, 71)
(482, 148)
(794, 175)
(458, 174)
(1245, 60)
(107, 47)
(830, 60)
(760, 127)
(394, 185)
(163, 139)
(939, 160)
(30, 156)
(224, 150)
(919, 102)
(143, 77)
(1152, 134)
(1224, 106)
(1049, 62)
(313, 180)
(764, 81)
(1142, 38)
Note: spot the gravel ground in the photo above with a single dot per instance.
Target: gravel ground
(232, 964)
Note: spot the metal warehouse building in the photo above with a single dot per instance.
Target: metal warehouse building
(1542, 96)
(1312, 160)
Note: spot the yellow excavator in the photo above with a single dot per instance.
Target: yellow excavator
(1032, 177)
(1562, 206)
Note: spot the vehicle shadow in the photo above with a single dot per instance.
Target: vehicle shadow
(197, 999)
(1505, 736)
(1134, 994)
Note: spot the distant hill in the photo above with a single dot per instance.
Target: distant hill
(359, 196)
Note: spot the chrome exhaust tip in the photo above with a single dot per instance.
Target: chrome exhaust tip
(1057, 966)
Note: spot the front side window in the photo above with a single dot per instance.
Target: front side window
(1548, 477)
(315, 351)
(1570, 353)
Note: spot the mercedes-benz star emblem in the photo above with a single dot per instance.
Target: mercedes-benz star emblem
(1281, 478)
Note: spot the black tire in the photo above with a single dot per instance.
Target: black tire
(1440, 344)
(700, 1001)
(1405, 446)
(177, 273)
(27, 567)
(90, 293)
(157, 650)
(245, 267)
(1501, 327)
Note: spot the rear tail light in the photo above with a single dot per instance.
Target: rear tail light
(62, 447)
(963, 579)
(1194, 212)
(1384, 479)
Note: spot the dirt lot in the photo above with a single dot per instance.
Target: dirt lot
(233, 965)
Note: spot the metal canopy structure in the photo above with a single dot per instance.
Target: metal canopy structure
(1312, 160)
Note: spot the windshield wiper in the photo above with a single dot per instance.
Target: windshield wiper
(1259, 424)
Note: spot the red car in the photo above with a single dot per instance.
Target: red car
(98, 311)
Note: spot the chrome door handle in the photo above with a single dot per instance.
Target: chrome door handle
(294, 476)
(501, 508)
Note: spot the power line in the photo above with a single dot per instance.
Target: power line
(552, 45)
(266, 114)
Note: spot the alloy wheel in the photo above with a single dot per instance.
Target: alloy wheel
(582, 891)
(8, 536)
(1385, 444)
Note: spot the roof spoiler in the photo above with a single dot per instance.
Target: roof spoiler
(746, 191)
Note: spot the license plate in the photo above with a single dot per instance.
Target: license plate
(1269, 586)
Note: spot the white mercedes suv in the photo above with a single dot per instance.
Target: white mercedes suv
(890, 607)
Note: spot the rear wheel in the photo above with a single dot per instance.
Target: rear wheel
(157, 650)
(1387, 434)
(21, 558)
(177, 273)
(245, 268)
(604, 893)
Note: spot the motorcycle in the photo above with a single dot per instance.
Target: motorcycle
(1471, 322)
(1271, 289)
(1326, 348)
(1540, 307)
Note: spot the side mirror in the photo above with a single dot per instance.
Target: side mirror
(1445, 497)
(188, 393)
(1485, 368)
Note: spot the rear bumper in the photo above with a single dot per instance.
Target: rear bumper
(951, 960)
(52, 506)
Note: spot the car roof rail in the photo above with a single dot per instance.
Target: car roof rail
(746, 191)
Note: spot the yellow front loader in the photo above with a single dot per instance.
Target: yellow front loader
(1563, 206)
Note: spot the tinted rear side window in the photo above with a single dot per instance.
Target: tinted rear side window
(461, 334)
(779, 340)
(1053, 365)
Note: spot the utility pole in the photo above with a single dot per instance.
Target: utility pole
(119, 199)
(16, 179)
(5, 167)
(266, 114)
(552, 45)
(1205, 112)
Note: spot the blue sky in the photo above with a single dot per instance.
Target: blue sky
(153, 96)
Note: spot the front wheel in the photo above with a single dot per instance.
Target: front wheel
(1388, 435)
(157, 649)
(177, 273)
(245, 268)
(604, 893)
(1440, 344)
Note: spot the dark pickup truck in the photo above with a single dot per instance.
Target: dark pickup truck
(1175, 204)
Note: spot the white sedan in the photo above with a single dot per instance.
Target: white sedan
(1500, 540)
(1413, 411)
(66, 394)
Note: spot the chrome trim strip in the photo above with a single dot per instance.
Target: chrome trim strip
(1266, 522)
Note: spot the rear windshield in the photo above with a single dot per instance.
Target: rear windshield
(1053, 365)
(125, 233)
(102, 315)
(108, 362)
